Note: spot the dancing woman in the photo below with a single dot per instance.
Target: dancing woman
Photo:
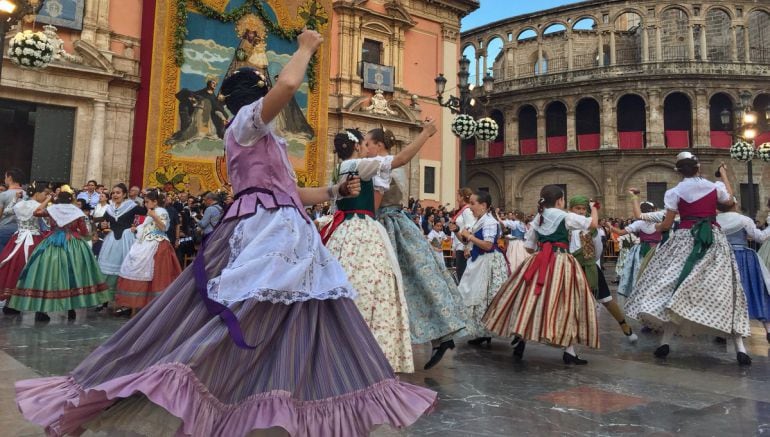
(16, 253)
(463, 219)
(291, 352)
(548, 299)
(432, 298)
(363, 248)
(120, 216)
(62, 273)
(151, 264)
(487, 268)
(516, 252)
(649, 238)
(692, 284)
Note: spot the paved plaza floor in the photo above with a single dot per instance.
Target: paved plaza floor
(698, 391)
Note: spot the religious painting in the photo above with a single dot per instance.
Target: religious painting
(220, 37)
(62, 13)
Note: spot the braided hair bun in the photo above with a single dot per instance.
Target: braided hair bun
(345, 143)
(244, 87)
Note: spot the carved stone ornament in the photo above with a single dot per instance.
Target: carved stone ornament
(379, 105)
(59, 54)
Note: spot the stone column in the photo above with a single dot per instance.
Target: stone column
(645, 44)
(601, 49)
(701, 119)
(747, 43)
(655, 123)
(571, 130)
(609, 129)
(514, 64)
(96, 149)
(691, 41)
(478, 62)
(103, 26)
(510, 66)
(613, 52)
(542, 141)
(570, 50)
(511, 134)
(539, 67)
(658, 44)
(90, 19)
(704, 51)
(734, 43)
(486, 68)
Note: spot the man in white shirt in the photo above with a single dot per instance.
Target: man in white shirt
(90, 195)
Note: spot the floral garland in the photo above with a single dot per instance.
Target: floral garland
(742, 151)
(464, 126)
(313, 15)
(30, 50)
(486, 129)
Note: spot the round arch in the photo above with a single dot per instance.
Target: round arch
(492, 38)
(479, 178)
(680, 7)
(588, 124)
(724, 9)
(525, 29)
(631, 121)
(469, 45)
(556, 126)
(631, 172)
(617, 15)
(556, 166)
(584, 17)
(677, 120)
(553, 23)
(639, 95)
(527, 118)
(757, 9)
(720, 133)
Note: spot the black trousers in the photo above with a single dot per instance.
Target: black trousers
(460, 263)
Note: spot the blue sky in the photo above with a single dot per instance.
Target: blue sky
(494, 10)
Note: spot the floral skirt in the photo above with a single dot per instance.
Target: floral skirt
(433, 300)
(138, 294)
(363, 249)
(316, 371)
(61, 275)
(561, 313)
(482, 279)
(11, 269)
(710, 300)
(516, 253)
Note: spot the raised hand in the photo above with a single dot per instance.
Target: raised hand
(309, 40)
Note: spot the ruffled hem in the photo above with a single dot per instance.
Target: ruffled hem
(62, 406)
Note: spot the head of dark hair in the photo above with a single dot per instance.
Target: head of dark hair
(344, 146)
(384, 136)
(92, 181)
(548, 197)
(122, 187)
(154, 195)
(647, 207)
(16, 174)
(721, 207)
(484, 197)
(63, 198)
(244, 87)
(33, 189)
(465, 194)
(688, 167)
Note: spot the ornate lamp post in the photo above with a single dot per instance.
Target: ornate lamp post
(463, 103)
(744, 148)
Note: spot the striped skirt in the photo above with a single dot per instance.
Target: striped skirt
(316, 370)
(561, 313)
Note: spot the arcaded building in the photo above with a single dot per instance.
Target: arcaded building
(600, 96)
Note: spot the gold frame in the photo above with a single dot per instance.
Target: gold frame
(163, 115)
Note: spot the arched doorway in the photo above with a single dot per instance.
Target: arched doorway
(556, 127)
(527, 130)
(762, 108)
(632, 122)
(588, 124)
(677, 121)
(721, 120)
(497, 146)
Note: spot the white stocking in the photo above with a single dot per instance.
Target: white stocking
(739, 347)
(668, 333)
(571, 350)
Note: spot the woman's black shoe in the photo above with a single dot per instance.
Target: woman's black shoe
(10, 311)
(518, 350)
(743, 359)
(438, 353)
(42, 317)
(478, 341)
(662, 351)
(572, 359)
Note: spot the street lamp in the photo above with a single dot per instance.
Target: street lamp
(457, 105)
(725, 117)
(747, 120)
(7, 10)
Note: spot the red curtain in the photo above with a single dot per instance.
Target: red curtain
(589, 142)
(721, 139)
(677, 139)
(528, 146)
(762, 138)
(631, 140)
(557, 144)
(496, 149)
(470, 152)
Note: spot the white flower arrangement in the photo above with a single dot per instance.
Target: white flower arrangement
(464, 126)
(487, 129)
(742, 151)
(31, 49)
(763, 152)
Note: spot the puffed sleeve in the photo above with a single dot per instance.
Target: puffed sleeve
(671, 200)
(635, 227)
(489, 231)
(753, 232)
(530, 239)
(722, 195)
(377, 169)
(654, 217)
(575, 222)
(247, 127)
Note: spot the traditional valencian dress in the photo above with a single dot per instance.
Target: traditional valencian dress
(548, 299)
(755, 277)
(117, 243)
(150, 266)
(649, 238)
(516, 253)
(364, 250)
(693, 280)
(62, 273)
(434, 302)
(289, 348)
(16, 253)
(486, 272)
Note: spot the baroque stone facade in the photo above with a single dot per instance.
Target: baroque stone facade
(601, 96)
(99, 79)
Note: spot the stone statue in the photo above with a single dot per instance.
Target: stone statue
(379, 105)
(59, 53)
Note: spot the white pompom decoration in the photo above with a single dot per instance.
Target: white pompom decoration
(464, 126)
(487, 129)
(742, 151)
(30, 50)
(763, 152)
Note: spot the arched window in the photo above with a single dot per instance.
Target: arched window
(556, 127)
(587, 124)
(677, 121)
(632, 122)
(527, 130)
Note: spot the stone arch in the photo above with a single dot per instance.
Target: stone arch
(377, 27)
(757, 23)
(469, 45)
(675, 32)
(628, 174)
(729, 94)
(492, 37)
(764, 9)
(717, 28)
(496, 191)
(523, 30)
(553, 23)
(581, 18)
(92, 56)
(640, 95)
(556, 166)
(617, 15)
(723, 8)
(678, 119)
(682, 7)
(674, 91)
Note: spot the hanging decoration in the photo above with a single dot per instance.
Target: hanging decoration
(742, 151)
(763, 152)
(464, 126)
(487, 129)
(313, 15)
(31, 50)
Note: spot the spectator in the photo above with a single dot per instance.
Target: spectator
(133, 195)
(8, 198)
(172, 232)
(101, 207)
(211, 215)
(89, 194)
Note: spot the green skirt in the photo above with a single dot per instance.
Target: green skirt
(62, 274)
